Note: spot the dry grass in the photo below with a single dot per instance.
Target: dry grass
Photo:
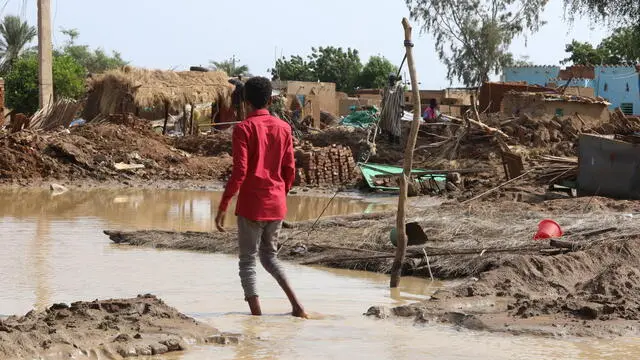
(155, 88)
(463, 240)
(490, 233)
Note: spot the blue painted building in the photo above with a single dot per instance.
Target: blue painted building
(620, 85)
(536, 75)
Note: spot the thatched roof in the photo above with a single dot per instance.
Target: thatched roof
(155, 88)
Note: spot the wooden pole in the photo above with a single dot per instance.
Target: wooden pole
(396, 269)
(191, 128)
(166, 118)
(184, 121)
(45, 53)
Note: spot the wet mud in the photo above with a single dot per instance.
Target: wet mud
(110, 329)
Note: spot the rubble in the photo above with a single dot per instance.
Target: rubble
(103, 151)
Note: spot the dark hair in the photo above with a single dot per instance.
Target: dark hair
(433, 103)
(257, 91)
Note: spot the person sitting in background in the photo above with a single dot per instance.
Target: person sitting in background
(431, 112)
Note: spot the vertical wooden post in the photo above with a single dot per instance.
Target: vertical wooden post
(166, 118)
(184, 119)
(192, 130)
(396, 269)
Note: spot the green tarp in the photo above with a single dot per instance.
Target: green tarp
(371, 171)
(362, 118)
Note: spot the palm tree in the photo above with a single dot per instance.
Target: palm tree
(229, 66)
(15, 34)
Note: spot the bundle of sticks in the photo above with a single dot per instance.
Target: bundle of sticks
(552, 169)
(59, 114)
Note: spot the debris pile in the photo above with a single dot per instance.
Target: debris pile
(332, 165)
(103, 151)
(214, 144)
(556, 137)
(620, 124)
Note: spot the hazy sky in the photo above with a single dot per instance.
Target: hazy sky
(177, 34)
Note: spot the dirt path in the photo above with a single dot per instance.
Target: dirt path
(107, 329)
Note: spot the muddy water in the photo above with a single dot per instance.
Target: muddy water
(53, 251)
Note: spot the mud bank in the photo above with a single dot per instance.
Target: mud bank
(587, 285)
(109, 329)
(594, 292)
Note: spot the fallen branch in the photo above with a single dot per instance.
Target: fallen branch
(346, 248)
(482, 126)
(433, 252)
(348, 218)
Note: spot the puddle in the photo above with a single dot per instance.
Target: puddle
(54, 251)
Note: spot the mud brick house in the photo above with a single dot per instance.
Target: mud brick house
(619, 85)
(315, 97)
(452, 101)
(492, 93)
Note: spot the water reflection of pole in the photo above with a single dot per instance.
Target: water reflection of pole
(39, 253)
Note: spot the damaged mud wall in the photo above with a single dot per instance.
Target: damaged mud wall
(536, 106)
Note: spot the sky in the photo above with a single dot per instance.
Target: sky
(167, 34)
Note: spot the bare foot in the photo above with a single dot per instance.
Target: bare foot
(299, 313)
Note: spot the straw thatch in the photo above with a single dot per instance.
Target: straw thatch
(142, 88)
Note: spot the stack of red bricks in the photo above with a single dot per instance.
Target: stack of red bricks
(332, 165)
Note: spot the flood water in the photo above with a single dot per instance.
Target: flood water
(53, 250)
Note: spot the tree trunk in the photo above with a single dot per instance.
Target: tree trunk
(396, 269)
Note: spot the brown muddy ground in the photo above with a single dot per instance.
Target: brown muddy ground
(103, 329)
(505, 280)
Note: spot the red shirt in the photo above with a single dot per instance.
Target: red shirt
(264, 168)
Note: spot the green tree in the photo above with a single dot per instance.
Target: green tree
(295, 69)
(621, 47)
(375, 73)
(15, 35)
(616, 12)
(230, 67)
(21, 83)
(582, 53)
(472, 37)
(94, 61)
(331, 64)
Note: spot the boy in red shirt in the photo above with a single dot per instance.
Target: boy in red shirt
(263, 173)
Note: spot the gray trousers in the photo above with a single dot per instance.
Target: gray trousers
(258, 237)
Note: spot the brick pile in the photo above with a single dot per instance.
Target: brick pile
(319, 166)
